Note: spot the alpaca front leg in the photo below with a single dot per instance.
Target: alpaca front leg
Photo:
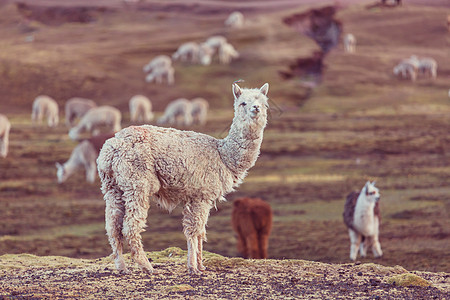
(364, 246)
(355, 241)
(200, 265)
(192, 245)
(195, 216)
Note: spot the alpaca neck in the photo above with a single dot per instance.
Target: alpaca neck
(364, 215)
(240, 149)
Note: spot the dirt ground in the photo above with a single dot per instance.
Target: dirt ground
(356, 123)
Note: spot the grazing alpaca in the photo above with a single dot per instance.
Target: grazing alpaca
(77, 108)
(215, 42)
(428, 66)
(235, 20)
(405, 70)
(349, 43)
(187, 52)
(140, 109)
(83, 155)
(175, 167)
(97, 117)
(160, 61)
(362, 217)
(227, 53)
(252, 221)
(5, 127)
(161, 74)
(44, 105)
(199, 110)
(177, 112)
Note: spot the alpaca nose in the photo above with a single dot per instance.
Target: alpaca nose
(255, 108)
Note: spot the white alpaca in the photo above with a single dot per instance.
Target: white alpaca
(95, 118)
(428, 66)
(84, 155)
(45, 106)
(187, 52)
(215, 42)
(227, 53)
(159, 75)
(175, 167)
(349, 43)
(177, 112)
(362, 217)
(405, 70)
(205, 54)
(5, 127)
(77, 108)
(160, 61)
(199, 110)
(140, 109)
(235, 20)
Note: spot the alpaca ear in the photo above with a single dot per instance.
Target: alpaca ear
(237, 92)
(265, 89)
(58, 165)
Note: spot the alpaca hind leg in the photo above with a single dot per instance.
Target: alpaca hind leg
(134, 221)
(253, 245)
(366, 241)
(376, 247)
(355, 240)
(114, 213)
(242, 245)
(263, 244)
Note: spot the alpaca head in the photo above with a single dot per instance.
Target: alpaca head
(371, 192)
(61, 173)
(251, 105)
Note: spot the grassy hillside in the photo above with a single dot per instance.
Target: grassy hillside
(359, 124)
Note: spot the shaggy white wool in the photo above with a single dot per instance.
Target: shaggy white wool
(176, 167)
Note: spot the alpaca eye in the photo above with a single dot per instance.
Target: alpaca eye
(243, 104)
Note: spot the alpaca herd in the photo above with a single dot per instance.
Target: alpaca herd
(161, 70)
(408, 68)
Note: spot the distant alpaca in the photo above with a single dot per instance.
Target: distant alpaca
(405, 70)
(428, 66)
(95, 118)
(252, 221)
(199, 110)
(5, 127)
(44, 105)
(140, 109)
(215, 42)
(362, 217)
(84, 155)
(227, 53)
(187, 52)
(177, 167)
(161, 74)
(177, 112)
(349, 43)
(77, 108)
(160, 61)
(235, 20)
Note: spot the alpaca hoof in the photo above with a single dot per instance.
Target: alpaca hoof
(201, 268)
(124, 271)
(195, 271)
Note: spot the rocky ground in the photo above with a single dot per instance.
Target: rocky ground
(37, 277)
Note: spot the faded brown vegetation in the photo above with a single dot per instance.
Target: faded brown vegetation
(359, 124)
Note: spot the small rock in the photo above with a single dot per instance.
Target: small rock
(359, 274)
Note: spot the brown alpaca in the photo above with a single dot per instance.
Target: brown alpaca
(252, 221)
